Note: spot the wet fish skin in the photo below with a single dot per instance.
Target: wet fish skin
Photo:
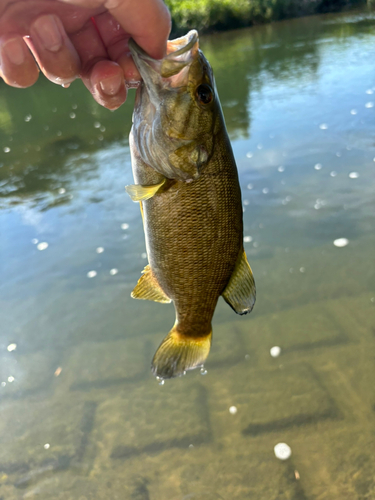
(187, 183)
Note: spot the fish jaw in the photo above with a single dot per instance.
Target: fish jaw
(172, 131)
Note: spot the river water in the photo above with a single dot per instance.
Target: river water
(82, 418)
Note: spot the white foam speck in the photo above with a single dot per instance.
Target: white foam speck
(3, 384)
(232, 410)
(124, 226)
(144, 255)
(28, 118)
(333, 173)
(250, 186)
(249, 154)
(354, 175)
(42, 246)
(323, 126)
(91, 274)
(46, 446)
(282, 451)
(318, 166)
(34, 241)
(302, 269)
(10, 379)
(369, 105)
(62, 191)
(97, 124)
(72, 115)
(100, 250)
(353, 111)
(369, 91)
(12, 347)
(6, 150)
(275, 351)
(265, 190)
(248, 239)
(281, 169)
(341, 242)
(113, 271)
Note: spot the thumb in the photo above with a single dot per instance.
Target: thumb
(147, 21)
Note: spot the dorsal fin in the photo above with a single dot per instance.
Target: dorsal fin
(240, 293)
(148, 288)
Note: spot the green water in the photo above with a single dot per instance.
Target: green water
(82, 418)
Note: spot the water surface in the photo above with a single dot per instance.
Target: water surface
(81, 415)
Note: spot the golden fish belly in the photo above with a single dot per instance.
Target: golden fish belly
(194, 236)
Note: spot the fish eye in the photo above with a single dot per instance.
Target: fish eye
(204, 94)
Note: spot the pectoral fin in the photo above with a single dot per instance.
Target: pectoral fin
(240, 292)
(148, 288)
(137, 192)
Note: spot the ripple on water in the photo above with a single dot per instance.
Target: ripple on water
(341, 242)
(42, 246)
(275, 351)
(282, 451)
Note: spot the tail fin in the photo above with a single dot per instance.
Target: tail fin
(179, 353)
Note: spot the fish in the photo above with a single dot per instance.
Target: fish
(186, 181)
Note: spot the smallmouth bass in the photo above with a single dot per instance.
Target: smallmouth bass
(186, 181)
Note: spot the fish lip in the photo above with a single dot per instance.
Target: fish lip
(180, 53)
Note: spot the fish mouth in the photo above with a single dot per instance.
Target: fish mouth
(181, 52)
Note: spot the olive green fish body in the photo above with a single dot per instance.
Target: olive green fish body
(193, 236)
(187, 183)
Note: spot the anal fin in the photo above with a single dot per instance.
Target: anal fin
(148, 288)
(137, 192)
(240, 293)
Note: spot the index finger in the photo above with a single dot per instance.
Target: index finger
(147, 21)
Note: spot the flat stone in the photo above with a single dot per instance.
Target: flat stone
(96, 365)
(62, 424)
(152, 419)
(270, 401)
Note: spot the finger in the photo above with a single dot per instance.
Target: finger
(53, 50)
(106, 83)
(148, 22)
(116, 40)
(17, 65)
(104, 78)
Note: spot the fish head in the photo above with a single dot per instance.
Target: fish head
(177, 111)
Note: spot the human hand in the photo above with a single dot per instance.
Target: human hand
(80, 38)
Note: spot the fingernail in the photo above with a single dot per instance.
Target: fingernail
(48, 32)
(111, 85)
(14, 50)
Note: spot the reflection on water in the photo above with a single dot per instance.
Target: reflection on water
(82, 417)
